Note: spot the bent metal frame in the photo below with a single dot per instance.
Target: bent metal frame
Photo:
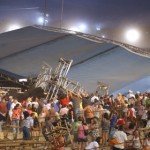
(52, 82)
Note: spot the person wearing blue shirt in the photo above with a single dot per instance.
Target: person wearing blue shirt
(27, 126)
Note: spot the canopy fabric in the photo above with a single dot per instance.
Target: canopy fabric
(23, 51)
(141, 85)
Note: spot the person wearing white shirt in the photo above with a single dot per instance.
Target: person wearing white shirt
(94, 98)
(48, 105)
(130, 94)
(144, 118)
(35, 103)
(121, 137)
(63, 111)
(94, 145)
(15, 101)
(29, 102)
(148, 124)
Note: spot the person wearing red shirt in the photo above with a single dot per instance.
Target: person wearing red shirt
(121, 121)
(65, 101)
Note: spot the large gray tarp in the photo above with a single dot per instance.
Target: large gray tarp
(23, 52)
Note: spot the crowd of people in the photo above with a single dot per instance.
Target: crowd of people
(93, 121)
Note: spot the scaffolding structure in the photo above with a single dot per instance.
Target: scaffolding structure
(102, 88)
(57, 80)
(44, 76)
(73, 86)
(54, 81)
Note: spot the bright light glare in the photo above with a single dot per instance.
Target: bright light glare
(47, 15)
(132, 35)
(40, 20)
(46, 21)
(23, 80)
(98, 28)
(82, 27)
(13, 27)
(79, 28)
(74, 29)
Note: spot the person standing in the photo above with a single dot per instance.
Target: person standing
(88, 113)
(28, 123)
(3, 111)
(82, 137)
(70, 113)
(121, 138)
(15, 118)
(105, 128)
(9, 102)
(137, 143)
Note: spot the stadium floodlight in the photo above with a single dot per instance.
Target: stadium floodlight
(40, 20)
(47, 15)
(82, 27)
(98, 28)
(132, 35)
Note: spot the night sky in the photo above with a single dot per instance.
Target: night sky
(108, 18)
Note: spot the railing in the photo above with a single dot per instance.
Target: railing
(41, 144)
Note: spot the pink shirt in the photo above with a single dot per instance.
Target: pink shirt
(63, 111)
(81, 129)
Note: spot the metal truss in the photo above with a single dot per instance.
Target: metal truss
(102, 88)
(73, 86)
(57, 81)
(53, 82)
(145, 52)
(44, 77)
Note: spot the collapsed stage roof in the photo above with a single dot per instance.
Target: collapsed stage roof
(95, 59)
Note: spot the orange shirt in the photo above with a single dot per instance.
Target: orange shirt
(3, 108)
(16, 113)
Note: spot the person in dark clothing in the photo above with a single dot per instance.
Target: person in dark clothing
(2, 119)
(8, 105)
(70, 113)
(3, 111)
